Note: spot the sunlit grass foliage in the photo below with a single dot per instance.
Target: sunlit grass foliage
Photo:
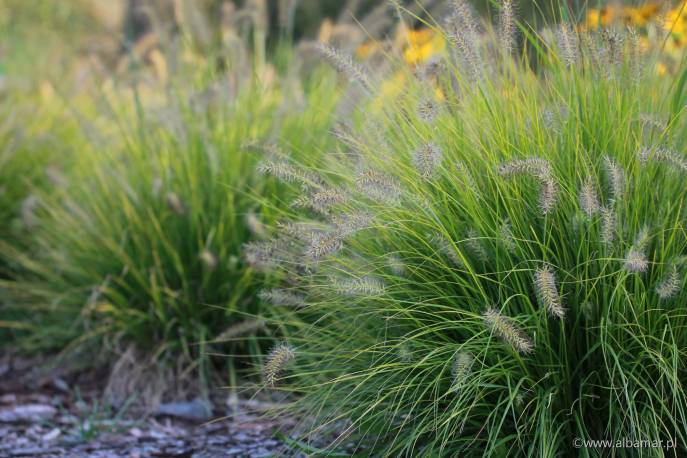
(501, 271)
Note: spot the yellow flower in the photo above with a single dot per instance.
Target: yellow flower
(422, 45)
(661, 69)
(640, 16)
(600, 17)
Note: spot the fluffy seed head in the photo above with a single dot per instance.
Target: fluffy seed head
(396, 265)
(547, 291)
(446, 248)
(670, 285)
(278, 358)
(616, 178)
(548, 195)
(175, 203)
(354, 287)
(608, 225)
(506, 329)
(345, 65)
(266, 255)
(475, 246)
(322, 200)
(534, 166)
(378, 186)
(288, 173)
(208, 259)
(427, 110)
(506, 236)
(348, 224)
(426, 159)
(241, 329)
(324, 244)
(664, 155)
(255, 226)
(636, 260)
(464, 36)
(506, 25)
(589, 200)
(568, 44)
(282, 297)
(461, 368)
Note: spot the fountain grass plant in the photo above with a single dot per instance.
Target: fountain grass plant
(143, 246)
(500, 272)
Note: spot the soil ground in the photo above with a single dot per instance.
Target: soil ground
(44, 415)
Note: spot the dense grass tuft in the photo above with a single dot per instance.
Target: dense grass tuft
(518, 283)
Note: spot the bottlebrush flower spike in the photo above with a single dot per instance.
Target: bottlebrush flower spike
(241, 329)
(426, 159)
(616, 178)
(608, 225)
(365, 286)
(446, 248)
(428, 110)
(568, 44)
(346, 66)
(474, 245)
(278, 358)
(589, 200)
(322, 200)
(506, 329)
(662, 154)
(506, 25)
(282, 297)
(461, 368)
(324, 244)
(547, 291)
(636, 259)
(506, 236)
(378, 186)
(670, 285)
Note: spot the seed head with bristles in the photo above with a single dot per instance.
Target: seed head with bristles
(322, 200)
(670, 285)
(534, 166)
(474, 245)
(568, 44)
(506, 236)
(345, 65)
(548, 195)
(175, 203)
(427, 110)
(324, 244)
(547, 291)
(506, 25)
(278, 358)
(288, 173)
(636, 260)
(282, 297)
(608, 225)
(348, 224)
(589, 200)
(255, 226)
(665, 155)
(445, 247)
(378, 186)
(365, 286)
(616, 178)
(427, 159)
(464, 36)
(461, 368)
(240, 329)
(506, 329)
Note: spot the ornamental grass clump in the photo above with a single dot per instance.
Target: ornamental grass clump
(157, 241)
(519, 284)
